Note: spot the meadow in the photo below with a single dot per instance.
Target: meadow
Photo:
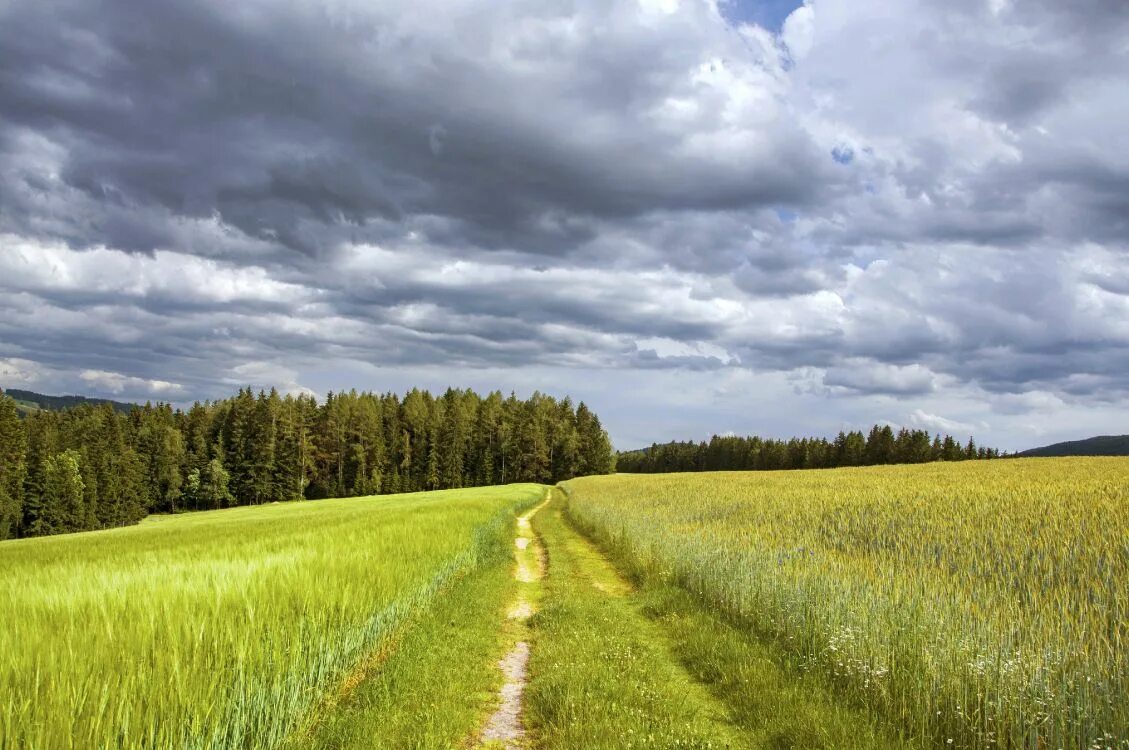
(227, 628)
(975, 604)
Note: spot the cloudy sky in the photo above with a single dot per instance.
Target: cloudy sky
(698, 216)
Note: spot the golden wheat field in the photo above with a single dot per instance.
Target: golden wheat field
(971, 604)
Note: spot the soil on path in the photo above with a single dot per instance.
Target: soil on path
(505, 727)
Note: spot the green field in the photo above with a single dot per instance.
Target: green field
(227, 628)
(958, 605)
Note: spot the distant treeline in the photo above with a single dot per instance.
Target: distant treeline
(93, 467)
(880, 446)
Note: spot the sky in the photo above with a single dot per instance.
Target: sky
(699, 217)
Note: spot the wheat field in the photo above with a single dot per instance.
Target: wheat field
(970, 605)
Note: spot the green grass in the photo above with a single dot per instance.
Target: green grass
(977, 604)
(436, 685)
(601, 676)
(618, 666)
(432, 689)
(226, 628)
(773, 706)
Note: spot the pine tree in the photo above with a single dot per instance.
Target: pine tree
(294, 451)
(42, 444)
(530, 445)
(880, 445)
(594, 448)
(435, 419)
(237, 434)
(566, 442)
(13, 468)
(260, 451)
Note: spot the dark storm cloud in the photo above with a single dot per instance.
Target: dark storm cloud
(290, 123)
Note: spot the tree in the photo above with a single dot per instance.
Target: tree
(566, 443)
(260, 450)
(950, 449)
(848, 449)
(532, 448)
(13, 468)
(880, 445)
(487, 431)
(294, 453)
(252, 449)
(593, 446)
(237, 436)
(431, 476)
(214, 489)
(62, 508)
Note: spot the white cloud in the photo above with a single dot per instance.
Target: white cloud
(798, 33)
(18, 372)
(266, 375)
(937, 423)
(858, 375)
(115, 382)
(53, 268)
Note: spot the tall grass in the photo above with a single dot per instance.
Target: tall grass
(971, 604)
(221, 629)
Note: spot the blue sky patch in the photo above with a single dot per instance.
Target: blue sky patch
(843, 154)
(767, 13)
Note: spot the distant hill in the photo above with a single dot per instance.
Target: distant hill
(29, 401)
(1103, 445)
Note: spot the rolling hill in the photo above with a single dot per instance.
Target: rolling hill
(29, 401)
(1102, 445)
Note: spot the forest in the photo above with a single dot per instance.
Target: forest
(730, 453)
(94, 467)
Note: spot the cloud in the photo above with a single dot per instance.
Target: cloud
(267, 375)
(301, 145)
(937, 423)
(861, 376)
(798, 32)
(115, 382)
(18, 372)
(920, 204)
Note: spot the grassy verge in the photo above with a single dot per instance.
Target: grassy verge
(433, 689)
(601, 672)
(774, 707)
(651, 666)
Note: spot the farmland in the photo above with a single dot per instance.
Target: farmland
(974, 604)
(979, 604)
(226, 628)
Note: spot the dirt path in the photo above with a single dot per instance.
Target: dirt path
(505, 727)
